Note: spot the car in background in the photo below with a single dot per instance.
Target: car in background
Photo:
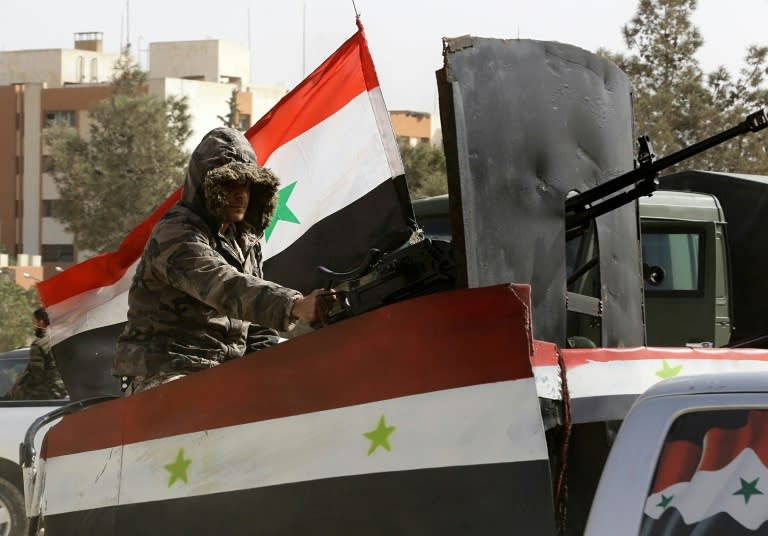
(15, 418)
(12, 364)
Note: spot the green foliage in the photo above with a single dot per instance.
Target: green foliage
(232, 119)
(676, 103)
(132, 159)
(424, 169)
(16, 306)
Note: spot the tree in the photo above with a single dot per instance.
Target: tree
(424, 168)
(232, 119)
(16, 306)
(132, 160)
(675, 102)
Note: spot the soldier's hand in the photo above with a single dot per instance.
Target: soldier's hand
(309, 308)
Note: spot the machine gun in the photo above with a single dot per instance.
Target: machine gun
(413, 270)
(584, 207)
(427, 266)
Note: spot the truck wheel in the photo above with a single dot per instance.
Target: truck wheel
(13, 518)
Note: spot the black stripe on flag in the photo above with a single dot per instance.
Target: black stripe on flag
(671, 522)
(85, 362)
(508, 498)
(340, 241)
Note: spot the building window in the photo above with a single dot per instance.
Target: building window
(245, 122)
(49, 208)
(58, 253)
(94, 70)
(80, 69)
(60, 117)
(48, 166)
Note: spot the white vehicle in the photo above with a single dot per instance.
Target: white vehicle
(15, 418)
(689, 458)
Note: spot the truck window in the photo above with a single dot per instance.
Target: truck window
(10, 369)
(711, 476)
(674, 258)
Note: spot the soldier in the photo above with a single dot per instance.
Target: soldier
(40, 380)
(198, 297)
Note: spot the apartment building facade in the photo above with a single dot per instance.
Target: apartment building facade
(416, 127)
(39, 87)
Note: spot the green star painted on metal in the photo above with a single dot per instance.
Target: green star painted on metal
(379, 436)
(178, 468)
(667, 371)
(748, 489)
(665, 501)
(282, 212)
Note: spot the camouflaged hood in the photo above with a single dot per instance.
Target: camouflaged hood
(225, 156)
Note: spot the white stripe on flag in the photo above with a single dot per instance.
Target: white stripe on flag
(635, 376)
(95, 308)
(711, 492)
(334, 163)
(386, 135)
(456, 427)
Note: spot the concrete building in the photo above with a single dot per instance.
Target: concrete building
(416, 127)
(38, 87)
(26, 272)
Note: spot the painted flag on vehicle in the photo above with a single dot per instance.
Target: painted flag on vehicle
(603, 383)
(343, 192)
(343, 188)
(711, 477)
(375, 425)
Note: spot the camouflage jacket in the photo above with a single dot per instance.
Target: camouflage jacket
(196, 300)
(40, 380)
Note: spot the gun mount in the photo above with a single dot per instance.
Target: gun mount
(583, 207)
(414, 270)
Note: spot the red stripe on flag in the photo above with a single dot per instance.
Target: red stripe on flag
(677, 463)
(545, 354)
(105, 269)
(442, 341)
(581, 356)
(330, 87)
(722, 445)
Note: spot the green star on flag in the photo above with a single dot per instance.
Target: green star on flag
(379, 436)
(665, 501)
(282, 212)
(667, 371)
(178, 469)
(748, 489)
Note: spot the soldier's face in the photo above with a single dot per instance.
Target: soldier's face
(236, 198)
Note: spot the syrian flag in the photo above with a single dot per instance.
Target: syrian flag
(343, 188)
(88, 306)
(712, 476)
(343, 192)
(603, 383)
(378, 424)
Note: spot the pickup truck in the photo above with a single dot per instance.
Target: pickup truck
(91, 479)
(15, 417)
(689, 459)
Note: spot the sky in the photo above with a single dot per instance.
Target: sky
(289, 38)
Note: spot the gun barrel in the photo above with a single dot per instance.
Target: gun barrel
(754, 122)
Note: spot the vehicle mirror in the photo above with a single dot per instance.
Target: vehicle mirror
(653, 275)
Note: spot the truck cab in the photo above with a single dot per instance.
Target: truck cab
(685, 265)
(685, 268)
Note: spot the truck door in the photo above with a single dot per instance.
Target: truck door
(679, 289)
